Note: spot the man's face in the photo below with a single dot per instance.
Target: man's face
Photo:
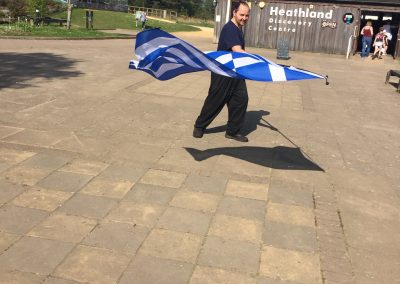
(241, 15)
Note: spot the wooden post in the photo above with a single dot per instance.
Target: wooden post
(69, 11)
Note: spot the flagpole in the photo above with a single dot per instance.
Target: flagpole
(270, 126)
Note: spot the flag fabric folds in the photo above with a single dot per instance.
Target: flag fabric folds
(165, 56)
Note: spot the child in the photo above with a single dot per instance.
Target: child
(379, 44)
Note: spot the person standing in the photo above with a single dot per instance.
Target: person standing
(387, 29)
(225, 90)
(367, 32)
(379, 44)
(143, 19)
(138, 15)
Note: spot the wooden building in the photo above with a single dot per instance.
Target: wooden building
(315, 26)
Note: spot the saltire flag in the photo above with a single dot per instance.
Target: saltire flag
(165, 56)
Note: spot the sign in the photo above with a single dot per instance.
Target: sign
(329, 24)
(294, 18)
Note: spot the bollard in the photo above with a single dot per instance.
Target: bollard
(283, 49)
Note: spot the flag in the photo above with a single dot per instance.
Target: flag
(165, 56)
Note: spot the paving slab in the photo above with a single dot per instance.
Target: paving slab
(88, 264)
(65, 228)
(35, 255)
(19, 220)
(203, 274)
(101, 158)
(230, 255)
(147, 193)
(146, 269)
(121, 237)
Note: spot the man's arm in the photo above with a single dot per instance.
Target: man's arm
(237, 48)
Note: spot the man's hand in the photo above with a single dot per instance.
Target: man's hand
(237, 48)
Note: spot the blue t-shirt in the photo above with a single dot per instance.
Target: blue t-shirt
(230, 36)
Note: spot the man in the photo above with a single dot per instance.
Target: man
(225, 90)
(138, 15)
(388, 33)
(143, 19)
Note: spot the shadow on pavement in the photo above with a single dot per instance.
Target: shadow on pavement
(280, 157)
(18, 68)
(253, 119)
(394, 84)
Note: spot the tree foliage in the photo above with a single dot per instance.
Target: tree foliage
(16, 7)
(38, 5)
(190, 8)
(29, 7)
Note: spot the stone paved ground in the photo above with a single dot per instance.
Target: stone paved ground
(101, 181)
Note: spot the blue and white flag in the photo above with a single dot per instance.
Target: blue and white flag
(165, 56)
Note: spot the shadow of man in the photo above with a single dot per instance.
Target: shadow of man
(252, 120)
(280, 157)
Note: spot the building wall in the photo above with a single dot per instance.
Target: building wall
(221, 17)
(315, 28)
(306, 26)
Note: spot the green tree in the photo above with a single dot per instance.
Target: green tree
(38, 5)
(17, 7)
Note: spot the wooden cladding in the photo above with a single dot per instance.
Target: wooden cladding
(315, 28)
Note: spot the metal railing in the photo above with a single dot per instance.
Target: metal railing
(158, 13)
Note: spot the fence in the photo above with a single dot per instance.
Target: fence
(158, 13)
(102, 6)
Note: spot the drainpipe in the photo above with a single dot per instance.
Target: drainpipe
(228, 11)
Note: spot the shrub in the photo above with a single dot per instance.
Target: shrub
(16, 7)
(37, 5)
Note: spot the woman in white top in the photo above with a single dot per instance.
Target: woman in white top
(379, 43)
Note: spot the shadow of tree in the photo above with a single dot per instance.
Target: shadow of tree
(16, 69)
(279, 157)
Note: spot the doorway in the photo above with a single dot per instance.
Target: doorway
(380, 19)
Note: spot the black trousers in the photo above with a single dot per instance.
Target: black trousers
(225, 90)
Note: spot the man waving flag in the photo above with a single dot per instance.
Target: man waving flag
(165, 56)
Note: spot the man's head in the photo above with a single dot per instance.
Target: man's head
(241, 12)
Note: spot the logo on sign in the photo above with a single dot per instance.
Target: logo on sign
(348, 18)
(327, 24)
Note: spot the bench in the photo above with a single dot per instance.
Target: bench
(48, 20)
(395, 73)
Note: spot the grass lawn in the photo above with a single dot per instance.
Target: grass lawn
(118, 20)
(51, 31)
(198, 23)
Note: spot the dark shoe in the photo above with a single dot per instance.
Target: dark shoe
(374, 56)
(198, 132)
(237, 137)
